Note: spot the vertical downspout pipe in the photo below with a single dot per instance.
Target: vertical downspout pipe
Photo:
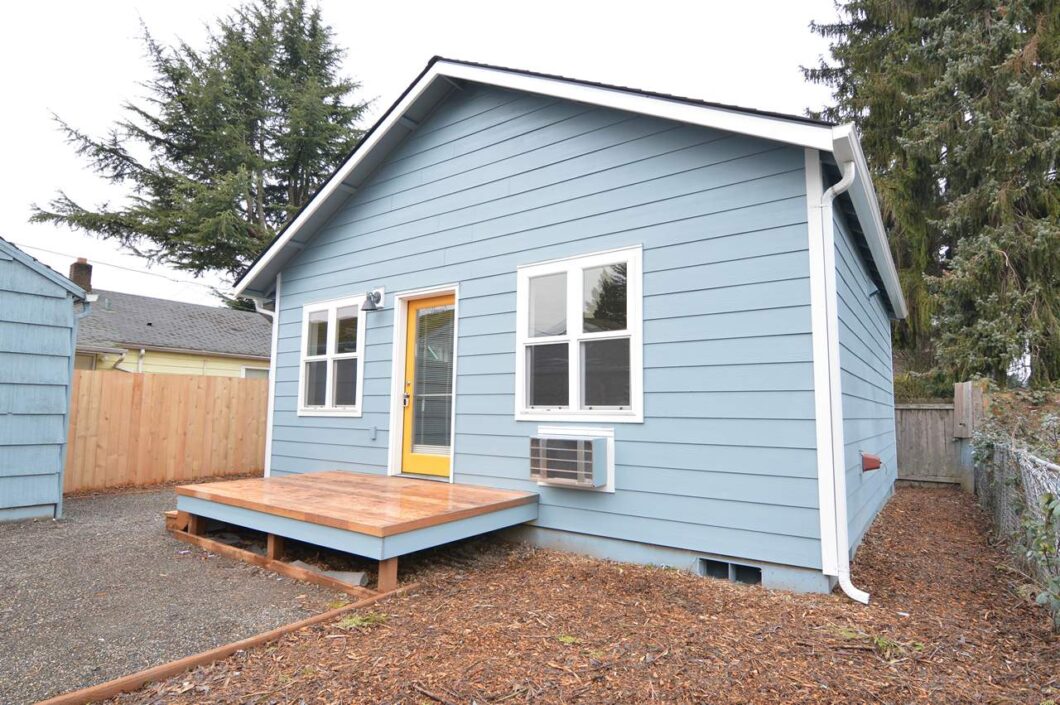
(839, 482)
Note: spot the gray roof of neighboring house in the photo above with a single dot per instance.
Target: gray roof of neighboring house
(132, 321)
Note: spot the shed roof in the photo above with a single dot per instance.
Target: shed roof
(9, 251)
(117, 319)
(441, 76)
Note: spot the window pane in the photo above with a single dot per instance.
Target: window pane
(317, 336)
(316, 380)
(549, 372)
(432, 412)
(548, 305)
(605, 372)
(256, 373)
(346, 330)
(345, 382)
(604, 290)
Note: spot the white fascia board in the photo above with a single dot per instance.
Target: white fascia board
(847, 148)
(792, 132)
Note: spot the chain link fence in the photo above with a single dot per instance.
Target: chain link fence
(1011, 485)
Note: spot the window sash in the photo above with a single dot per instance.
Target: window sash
(330, 357)
(574, 268)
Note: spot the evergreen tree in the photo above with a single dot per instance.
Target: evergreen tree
(957, 103)
(229, 143)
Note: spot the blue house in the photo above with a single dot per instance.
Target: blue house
(668, 319)
(38, 334)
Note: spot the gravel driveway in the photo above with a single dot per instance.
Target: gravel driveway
(105, 592)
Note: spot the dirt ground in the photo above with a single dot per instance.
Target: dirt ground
(105, 592)
(498, 624)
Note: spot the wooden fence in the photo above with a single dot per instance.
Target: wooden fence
(933, 439)
(136, 430)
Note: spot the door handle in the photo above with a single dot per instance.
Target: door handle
(405, 399)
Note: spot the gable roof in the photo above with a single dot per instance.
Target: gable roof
(9, 251)
(441, 76)
(132, 321)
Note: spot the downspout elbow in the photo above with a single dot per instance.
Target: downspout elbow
(261, 309)
(841, 186)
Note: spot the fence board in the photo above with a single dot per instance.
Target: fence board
(145, 429)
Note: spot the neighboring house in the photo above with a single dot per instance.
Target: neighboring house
(508, 255)
(39, 311)
(135, 333)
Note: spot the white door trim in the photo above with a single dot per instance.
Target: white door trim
(397, 374)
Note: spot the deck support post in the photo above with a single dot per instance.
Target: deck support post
(196, 525)
(388, 572)
(274, 547)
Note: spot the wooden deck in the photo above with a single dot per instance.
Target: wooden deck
(376, 516)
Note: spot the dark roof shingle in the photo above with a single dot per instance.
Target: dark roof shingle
(129, 320)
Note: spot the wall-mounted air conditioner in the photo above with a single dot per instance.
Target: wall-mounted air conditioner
(569, 462)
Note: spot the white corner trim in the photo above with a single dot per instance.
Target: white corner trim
(831, 469)
(271, 406)
(576, 432)
(822, 400)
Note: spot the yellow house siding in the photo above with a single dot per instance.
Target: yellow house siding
(159, 362)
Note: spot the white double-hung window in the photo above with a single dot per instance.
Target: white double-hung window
(579, 339)
(331, 369)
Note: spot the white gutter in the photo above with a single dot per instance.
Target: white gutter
(839, 479)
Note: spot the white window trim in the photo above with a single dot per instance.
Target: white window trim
(244, 368)
(331, 307)
(633, 256)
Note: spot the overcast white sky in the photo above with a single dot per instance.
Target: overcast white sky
(81, 60)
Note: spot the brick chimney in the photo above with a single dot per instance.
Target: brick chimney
(81, 274)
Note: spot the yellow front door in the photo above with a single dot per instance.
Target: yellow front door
(427, 421)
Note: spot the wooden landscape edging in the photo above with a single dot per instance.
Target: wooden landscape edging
(276, 566)
(137, 680)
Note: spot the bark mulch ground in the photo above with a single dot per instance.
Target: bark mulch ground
(503, 624)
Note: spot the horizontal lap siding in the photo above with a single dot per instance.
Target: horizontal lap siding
(725, 461)
(868, 395)
(36, 316)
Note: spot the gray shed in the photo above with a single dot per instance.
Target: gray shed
(38, 334)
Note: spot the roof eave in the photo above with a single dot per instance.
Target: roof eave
(441, 77)
(847, 148)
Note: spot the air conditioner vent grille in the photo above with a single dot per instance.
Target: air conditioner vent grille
(571, 462)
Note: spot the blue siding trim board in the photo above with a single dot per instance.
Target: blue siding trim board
(725, 460)
(37, 340)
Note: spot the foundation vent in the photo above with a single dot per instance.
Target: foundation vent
(748, 574)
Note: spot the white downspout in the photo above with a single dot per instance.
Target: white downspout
(839, 483)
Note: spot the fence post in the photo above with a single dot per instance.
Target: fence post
(968, 408)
